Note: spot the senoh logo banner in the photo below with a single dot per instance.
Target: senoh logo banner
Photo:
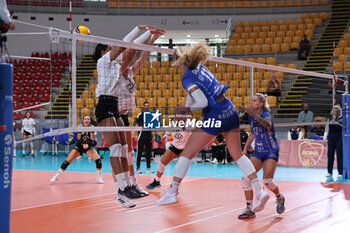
(6, 161)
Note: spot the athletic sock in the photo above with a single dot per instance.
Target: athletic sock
(249, 204)
(121, 181)
(157, 179)
(133, 180)
(127, 178)
(257, 185)
(174, 187)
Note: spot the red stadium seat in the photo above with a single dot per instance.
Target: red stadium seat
(54, 56)
(17, 116)
(63, 55)
(45, 55)
(22, 62)
(36, 103)
(45, 98)
(35, 54)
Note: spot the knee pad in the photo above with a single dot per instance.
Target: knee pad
(270, 184)
(31, 143)
(245, 165)
(246, 184)
(181, 167)
(64, 165)
(124, 151)
(130, 158)
(115, 150)
(98, 163)
(161, 167)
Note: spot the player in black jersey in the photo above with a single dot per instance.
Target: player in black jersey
(85, 144)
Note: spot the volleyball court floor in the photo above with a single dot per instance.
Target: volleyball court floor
(210, 200)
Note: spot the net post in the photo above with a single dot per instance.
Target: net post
(6, 144)
(346, 135)
(251, 82)
(74, 82)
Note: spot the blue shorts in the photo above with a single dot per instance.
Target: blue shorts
(262, 156)
(223, 112)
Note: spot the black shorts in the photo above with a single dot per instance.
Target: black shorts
(80, 149)
(26, 133)
(175, 150)
(106, 107)
(125, 119)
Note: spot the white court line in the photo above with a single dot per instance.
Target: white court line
(78, 199)
(199, 220)
(205, 211)
(202, 219)
(60, 202)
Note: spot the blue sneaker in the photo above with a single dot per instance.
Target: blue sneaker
(247, 213)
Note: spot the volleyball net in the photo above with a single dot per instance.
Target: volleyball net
(159, 83)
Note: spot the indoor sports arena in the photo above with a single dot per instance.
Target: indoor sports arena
(174, 116)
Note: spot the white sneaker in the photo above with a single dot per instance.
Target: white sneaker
(328, 175)
(215, 160)
(99, 180)
(80, 157)
(260, 200)
(339, 177)
(140, 190)
(138, 171)
(124, 201)
(167, 198)
(54, 179)
(149, 170)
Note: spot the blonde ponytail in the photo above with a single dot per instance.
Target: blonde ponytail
(191, 56)
(263, 98)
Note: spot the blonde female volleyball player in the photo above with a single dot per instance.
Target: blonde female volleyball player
(85, 144)
(266, 151)
(180, 138)
(109, 67)
(206, 94)
(28, 131)
(126, 97)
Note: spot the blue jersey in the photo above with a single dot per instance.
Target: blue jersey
(206, 81)
(223, 111)
(265, 140)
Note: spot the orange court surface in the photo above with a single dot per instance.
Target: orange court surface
(77, 204)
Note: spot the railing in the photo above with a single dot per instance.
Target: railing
(172, 3)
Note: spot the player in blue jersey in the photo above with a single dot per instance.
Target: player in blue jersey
(206, 94)
(265, 155)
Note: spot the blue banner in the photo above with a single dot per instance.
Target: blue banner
(346, 136)
(63, 139)
(6, 145)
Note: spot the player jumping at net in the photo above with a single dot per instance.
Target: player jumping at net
(266, 152)
(85, 144)
(110, 63)
(206, 94)
(126, 96)
(28, 131)
(180, 138)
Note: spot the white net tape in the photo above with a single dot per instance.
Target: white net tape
(56, 35)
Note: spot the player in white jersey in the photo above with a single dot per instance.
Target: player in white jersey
(180, 138)
(28, 131)
(110, 64)
(85, 144)
(126, 101)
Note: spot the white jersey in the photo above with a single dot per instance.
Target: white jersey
(126, 93)
(108, 75)
(28, 125)
(180, 138)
